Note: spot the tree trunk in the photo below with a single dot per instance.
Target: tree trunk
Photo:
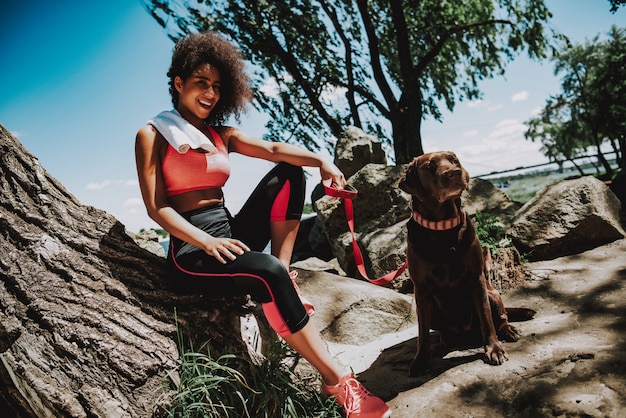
(406, 123)
(580, 170)
(87, 320)
(621, 154)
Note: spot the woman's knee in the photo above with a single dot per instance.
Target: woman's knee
(292, 172)
(267, 274)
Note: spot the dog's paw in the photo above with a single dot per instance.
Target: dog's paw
(508, 332)
(418, 365)
(495, 354)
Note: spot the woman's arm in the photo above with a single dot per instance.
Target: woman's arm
(148, 146)
(252, 146)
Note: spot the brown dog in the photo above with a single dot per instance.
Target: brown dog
(447, 265)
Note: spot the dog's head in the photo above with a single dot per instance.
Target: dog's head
(436, 175)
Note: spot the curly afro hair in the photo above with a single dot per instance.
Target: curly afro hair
(209, 48)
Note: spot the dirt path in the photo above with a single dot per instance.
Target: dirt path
(570, 362)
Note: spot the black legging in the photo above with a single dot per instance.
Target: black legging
(261, 275)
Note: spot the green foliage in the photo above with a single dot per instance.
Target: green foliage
(160, 232)
(383, 66)
(218, 388)
(590, 111)
(490, 232)
(615, 4)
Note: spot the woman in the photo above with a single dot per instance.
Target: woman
(182, 164)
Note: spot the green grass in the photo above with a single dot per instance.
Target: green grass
(233, 386)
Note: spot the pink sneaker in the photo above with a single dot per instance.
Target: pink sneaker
(310, 309)
(357, 401)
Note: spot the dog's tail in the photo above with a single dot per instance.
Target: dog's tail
(520, 314)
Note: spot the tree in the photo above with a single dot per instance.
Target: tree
(607, 91)
(381, 65)
(557, 132)
(615, 4)
(590, 111)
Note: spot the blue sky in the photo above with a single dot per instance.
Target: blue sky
(79, 78)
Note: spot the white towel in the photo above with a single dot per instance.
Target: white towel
(180, 134)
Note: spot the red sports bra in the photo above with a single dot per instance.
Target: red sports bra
(195, 170)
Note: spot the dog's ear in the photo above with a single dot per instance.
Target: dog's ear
(410, 181)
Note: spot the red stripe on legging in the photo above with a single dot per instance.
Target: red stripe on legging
(278, 212)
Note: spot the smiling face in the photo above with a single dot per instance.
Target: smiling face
(199, 93)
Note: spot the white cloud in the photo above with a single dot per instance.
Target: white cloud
(484, 104)
(133, 201)
(333, 95)
(108, 183)
(470, 134)
(520, 96)
(98, 186)
(507, 129)
(503, 148)
(270, 88)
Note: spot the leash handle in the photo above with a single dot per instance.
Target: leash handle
(348, 194)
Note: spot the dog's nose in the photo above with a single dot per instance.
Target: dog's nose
(455, 172)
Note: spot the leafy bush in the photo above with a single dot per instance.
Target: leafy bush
(490, 232)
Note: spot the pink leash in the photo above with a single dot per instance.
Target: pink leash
(348, 194)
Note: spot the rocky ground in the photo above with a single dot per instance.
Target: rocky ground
(570, 362)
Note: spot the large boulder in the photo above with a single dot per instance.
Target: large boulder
(148, 240)
(380, 212)
(567, 218)
(618, 186)
(355, 149)
(482, 196)
(352, 312)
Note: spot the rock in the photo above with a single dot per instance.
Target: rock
(482, 196)
(311, 241)
(316, 264)
(567, 218)
(148, 240)
(353, 312)
(618, 186)
(508, 271)
(379, 209)
(355, 149)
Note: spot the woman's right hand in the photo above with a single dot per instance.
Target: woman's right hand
(224, 247)
(329, 170)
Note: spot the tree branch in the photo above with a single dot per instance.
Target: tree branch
(436, 49)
